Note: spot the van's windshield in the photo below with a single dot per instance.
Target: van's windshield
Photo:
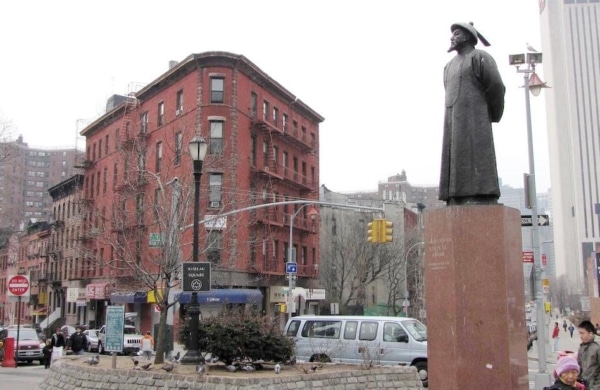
(416, 329)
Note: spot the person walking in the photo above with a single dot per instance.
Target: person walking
(566, 374)
(77, 342)
(147, 345)
(564, 325)
(588, 355)
(47, 351)
(571, 330)
(555, 336)
(58, 344)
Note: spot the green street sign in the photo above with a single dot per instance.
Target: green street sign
(115, 325)
(155, 240)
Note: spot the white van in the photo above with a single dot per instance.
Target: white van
(361, 339)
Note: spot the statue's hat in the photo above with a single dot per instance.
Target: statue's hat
(471, 30)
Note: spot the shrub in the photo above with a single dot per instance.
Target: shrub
(234, 335)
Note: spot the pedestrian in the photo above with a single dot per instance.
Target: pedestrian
(78, 342)
(571, 329)
(566, 374)
(564, 325)
(588, 355)
(58, 344)
(147, 345)
(555, 336)
(474, 100)
(47, 351)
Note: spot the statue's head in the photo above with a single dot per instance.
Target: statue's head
(463, 34)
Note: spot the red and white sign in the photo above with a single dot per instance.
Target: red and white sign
(157, 308)
(544, 260)
(528, 257)
(18, 286)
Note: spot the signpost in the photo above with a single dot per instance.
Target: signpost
(291, 268)
(543, 220)
(196, 277)
(18, 286)
(115, 325)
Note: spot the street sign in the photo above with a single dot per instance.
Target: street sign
(18, 286)
(585, 304)
(155, 240)
(527, 257)
(546, 286)
(196, 277)
(543, 220)
(291, 268)
(115, 325)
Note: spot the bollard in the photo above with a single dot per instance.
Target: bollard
(9, 353)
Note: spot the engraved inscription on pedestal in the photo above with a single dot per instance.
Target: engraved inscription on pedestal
(438, 253)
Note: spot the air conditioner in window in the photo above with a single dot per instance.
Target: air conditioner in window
(179, 111)
(215, 204)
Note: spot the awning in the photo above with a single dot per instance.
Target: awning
(224, 296)
(129, 297)
(40, 311)
(96, 291)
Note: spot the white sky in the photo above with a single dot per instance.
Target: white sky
(373, 69)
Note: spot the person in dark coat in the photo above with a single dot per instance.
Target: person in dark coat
(47, 351)
(474, 99)
(58, 343)
(77, 342)
(566, 373)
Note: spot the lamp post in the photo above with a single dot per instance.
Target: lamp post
(198, 148)
(312, 213)
(542, 378)
(406, 302)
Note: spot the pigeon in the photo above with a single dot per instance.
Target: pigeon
(146, 366)
(176, 357)
(277, 368)
(200, 369)
(530, 48)
(232, 368)
(314, 368)
(167, 367)
(135, 364)
(248, 368)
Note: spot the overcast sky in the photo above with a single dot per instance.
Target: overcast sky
(373, 69)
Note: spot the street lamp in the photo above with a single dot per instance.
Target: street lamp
(198, 148)
(542, 378)
(406, 302)
(312, 214)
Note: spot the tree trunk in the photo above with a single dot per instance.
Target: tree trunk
(161, 341)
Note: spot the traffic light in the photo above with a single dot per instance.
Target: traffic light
(373, 231)
(386, 231)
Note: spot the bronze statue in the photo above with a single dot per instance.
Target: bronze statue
(474, 99)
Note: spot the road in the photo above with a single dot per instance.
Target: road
(24, 377)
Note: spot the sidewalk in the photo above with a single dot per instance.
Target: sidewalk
(565, 343)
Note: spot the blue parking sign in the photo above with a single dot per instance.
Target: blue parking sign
(291, 268)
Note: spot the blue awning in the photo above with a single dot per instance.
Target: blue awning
(224, 296)
(129, 297)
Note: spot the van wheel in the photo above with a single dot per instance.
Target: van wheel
(320, 358)
(423, 373)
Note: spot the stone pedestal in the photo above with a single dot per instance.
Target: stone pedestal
(475, 300)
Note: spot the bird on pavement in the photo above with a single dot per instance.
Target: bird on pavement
(146, 366)
(277, 368)
(314, 368)
(530, 48)
(248, 368)
(232, 368)
(201, 369)
(176, 357)
(135, 364)
(167, 367)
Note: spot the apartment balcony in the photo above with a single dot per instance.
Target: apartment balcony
(298, 180)
(296, 138)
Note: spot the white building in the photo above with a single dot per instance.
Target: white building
(571, 48)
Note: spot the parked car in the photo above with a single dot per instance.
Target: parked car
(92, 339)
(30, 345)
(132, 340)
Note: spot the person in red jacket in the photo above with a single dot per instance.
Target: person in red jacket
(555, 336)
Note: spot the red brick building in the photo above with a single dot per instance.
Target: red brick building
(263, 147)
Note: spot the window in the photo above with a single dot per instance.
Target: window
(322, 329)
(159, 156)
(98, 184)
(253, 104)
(178, 145)
(179, 102)
(213, 246)
(275, 116)
(350, 330)
(265, 154)
(303, 134)
(286, 158)
(214, 187)
(106, 145)
(393, 332)
(253, 150)
(295, 128)
(115, 174)
(215, 145)
(105, 181)
(143, 124)
(368, 331)
(276, 157)
(265, 111)
(160, 120)
(216, 90)
(100, 149)
(284, 122)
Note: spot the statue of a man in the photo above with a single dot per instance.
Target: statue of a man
(474, 99)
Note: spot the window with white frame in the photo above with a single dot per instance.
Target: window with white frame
(215, 145)
(215, 184)
(159, 156)
(160, 120)
(217, 90)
